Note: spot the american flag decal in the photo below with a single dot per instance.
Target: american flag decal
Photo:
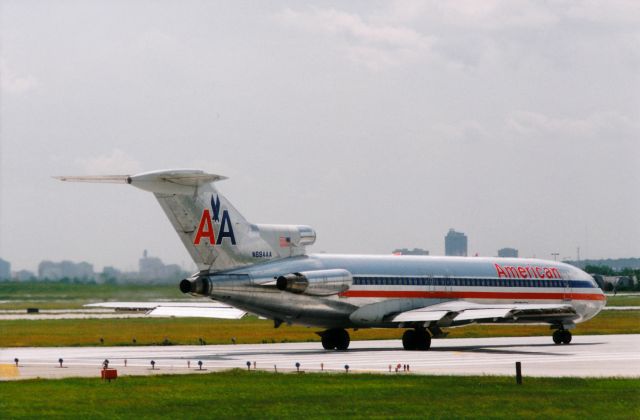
(285, 241)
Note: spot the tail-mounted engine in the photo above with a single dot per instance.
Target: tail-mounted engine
(197, 285)
(203, 283)
(317, 282)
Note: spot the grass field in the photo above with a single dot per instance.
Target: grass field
(87, 332)
(623, 300)
(57, 295)
(240, 394)
(60, 295)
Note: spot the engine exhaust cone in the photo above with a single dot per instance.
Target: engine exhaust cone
(281, 283)
(185, 286)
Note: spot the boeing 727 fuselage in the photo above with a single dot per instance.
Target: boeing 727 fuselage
(265, 270)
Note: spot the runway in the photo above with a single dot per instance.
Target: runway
(586, 356)
(15, 314)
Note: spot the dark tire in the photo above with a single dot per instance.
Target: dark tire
(566, 337)
(557, 336)
(328, 341)
(335, 339)
(342, 340)
(409, 340)
(423, 340)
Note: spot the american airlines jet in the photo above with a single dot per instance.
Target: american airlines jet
(265, 270)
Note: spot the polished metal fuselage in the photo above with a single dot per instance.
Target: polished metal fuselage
(384, 285)
(240, 263)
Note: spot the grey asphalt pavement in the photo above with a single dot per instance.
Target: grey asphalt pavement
(586, 356)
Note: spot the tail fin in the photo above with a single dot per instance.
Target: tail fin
(215, 234)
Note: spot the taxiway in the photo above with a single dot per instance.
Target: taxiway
(586, 356)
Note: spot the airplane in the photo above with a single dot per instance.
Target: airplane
(265, 270)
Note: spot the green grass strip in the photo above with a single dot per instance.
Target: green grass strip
(240, 394)
(147, 331)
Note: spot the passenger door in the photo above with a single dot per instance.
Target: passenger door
(566, 290)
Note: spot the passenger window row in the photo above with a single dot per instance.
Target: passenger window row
(472, 282)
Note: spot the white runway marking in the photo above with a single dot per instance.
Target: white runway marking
(601, 355)
(14, 314)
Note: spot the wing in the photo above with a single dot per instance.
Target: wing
(461, 313)
(176, 309)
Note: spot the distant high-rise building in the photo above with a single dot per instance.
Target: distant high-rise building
(508, 253)
(5, 270)
(65, 269)
(455, 244)
(24, 275)
(109, 274)
(414, 251)
(153, 269)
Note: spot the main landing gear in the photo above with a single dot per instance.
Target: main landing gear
(335, 339)
(561, 336)
(418, 339)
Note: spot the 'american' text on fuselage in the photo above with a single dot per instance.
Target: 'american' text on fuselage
(527, 272)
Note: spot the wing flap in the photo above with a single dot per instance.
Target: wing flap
(533, 311)
(463, 312)
(421, 314)
(472, 314)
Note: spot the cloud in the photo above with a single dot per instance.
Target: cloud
(495, 15)
(374, 44)
(116, 163)
(534, 127)
(608, 126)
(504, 14)
(465, 33)
(465, 131)
(618, 12)
(13, 83)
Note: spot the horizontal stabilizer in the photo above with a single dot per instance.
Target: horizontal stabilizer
(212, 230)
(149, 180)
(98, 179)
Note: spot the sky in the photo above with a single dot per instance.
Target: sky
(382, 124)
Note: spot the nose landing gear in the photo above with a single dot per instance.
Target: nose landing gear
(561, 336)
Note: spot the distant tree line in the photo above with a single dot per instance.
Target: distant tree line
(605, 270)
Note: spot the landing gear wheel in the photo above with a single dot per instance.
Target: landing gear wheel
(327, 341)
(335, 339)
(408, 340)
(342, 340)
(562, 337)
(423, 340)
(417, 339)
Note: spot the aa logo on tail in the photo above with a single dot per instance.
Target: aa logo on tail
(207, 222)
